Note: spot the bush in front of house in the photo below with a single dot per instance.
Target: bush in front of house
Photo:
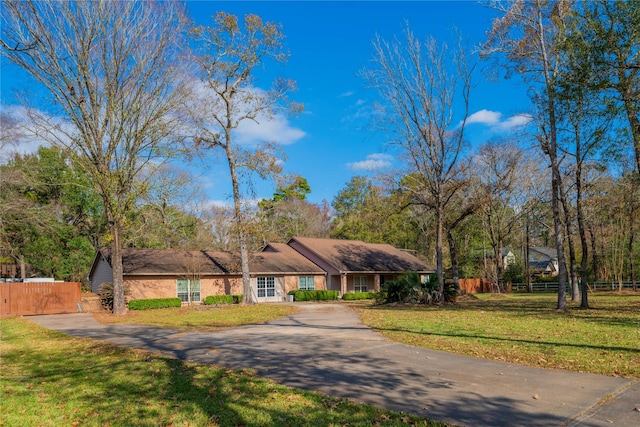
(222, 299)
(149, 304)
(314, 295)
(351, 296)
(408, 288)
(105, 292)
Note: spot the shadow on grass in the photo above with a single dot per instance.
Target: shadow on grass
(607, 309)
(514, 340)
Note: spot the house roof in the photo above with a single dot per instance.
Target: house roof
(282, 258)
(279, 258)
(550, 253)
(357, 256)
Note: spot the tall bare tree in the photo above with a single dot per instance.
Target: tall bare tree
(419, 84)
(524, 41)
(109, 68)
(502, 174)
(227, 54)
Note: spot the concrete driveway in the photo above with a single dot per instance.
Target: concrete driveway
(324, 347)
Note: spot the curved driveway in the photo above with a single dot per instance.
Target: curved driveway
(324, 347)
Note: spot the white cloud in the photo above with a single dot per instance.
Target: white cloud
(518, 120)
(373, 162)
(275, 129)
(24, 130)
(346, 94)
(494, 120)
(485, 117)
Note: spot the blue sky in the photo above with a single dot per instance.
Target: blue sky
(329, 43)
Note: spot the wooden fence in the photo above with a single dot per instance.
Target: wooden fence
(475, 286)
(24, 298)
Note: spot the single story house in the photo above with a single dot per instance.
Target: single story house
(301, 263)
(194, 275)
(355, 266)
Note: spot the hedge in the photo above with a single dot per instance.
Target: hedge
(146, 304)
(222, 299)
(314, 295)
(359, 295)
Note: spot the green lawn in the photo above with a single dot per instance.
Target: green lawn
(203, 317)
(50, 379)
(523, 329)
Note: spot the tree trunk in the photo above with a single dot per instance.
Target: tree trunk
(247, 294)
(568, 220)
(439, 244)
(526, 259)
(499, 266)
(557, 226)
(23, 267)
(454, 261)
(632, 230)
(119, 303)
(594, 257)
(584, 284)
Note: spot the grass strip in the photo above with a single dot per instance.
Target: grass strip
(205, 318)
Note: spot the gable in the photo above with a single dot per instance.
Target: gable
(357, 256)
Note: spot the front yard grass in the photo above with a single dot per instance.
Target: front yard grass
(202, 317)
(523, 329)
(50, 379)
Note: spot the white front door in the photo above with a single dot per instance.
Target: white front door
(269, 289)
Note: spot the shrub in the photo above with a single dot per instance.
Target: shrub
(359, 295)
(314, 295)
(148, 304)
(222, 299)
(407, 288)
(105, 291)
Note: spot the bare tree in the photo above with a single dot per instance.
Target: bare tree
(109, 67)
(503, 177)
(524, 38)
(225, 97)
(418, 84)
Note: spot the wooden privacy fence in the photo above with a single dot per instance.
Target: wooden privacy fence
(475, 286)
(24, 298)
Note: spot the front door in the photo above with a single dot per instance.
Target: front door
(269, 289)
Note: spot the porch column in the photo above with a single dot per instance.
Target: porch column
(343, 283)
(376, 283)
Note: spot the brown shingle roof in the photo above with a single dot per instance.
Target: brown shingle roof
(168, 261)
(277, 258)
(357, 256)
(281, 258)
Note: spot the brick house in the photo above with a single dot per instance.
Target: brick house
(302, 263)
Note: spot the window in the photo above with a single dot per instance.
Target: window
(266, 287)
(360, 284)
(305, 283)
(188, 287)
